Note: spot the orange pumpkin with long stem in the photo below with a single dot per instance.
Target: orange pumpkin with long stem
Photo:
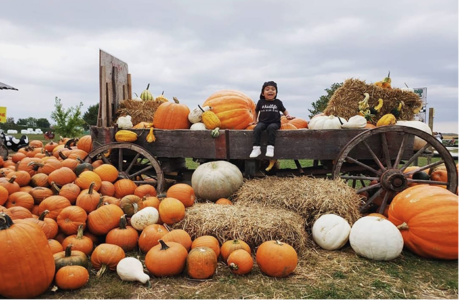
(106, 256)
(427, 217)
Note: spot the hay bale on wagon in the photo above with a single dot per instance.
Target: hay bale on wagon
(140, 111)
(345, 101)
(309, 197)
(253, 225)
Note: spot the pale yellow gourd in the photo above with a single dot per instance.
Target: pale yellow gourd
(195, 114)
(326, 122)
(356, 121)
(144, 217)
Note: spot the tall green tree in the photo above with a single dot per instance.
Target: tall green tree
(43, 123)
(30, 122)
(90, 117)
(320, 105)
(69, 122)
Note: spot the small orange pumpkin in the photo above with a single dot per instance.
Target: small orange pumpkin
(240, 262)
(201, 263)
(71, 277)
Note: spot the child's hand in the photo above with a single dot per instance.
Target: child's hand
(253, 123)
(289, 117)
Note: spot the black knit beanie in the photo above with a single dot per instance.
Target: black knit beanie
(268, 83)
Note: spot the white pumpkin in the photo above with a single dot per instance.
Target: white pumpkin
(326, 122)
(418, 142)
(331, 231)
(131, 269)
(195, 114)
(198, 126)
(376, 238)
(356, 121)
(144, 217)
(216, 179)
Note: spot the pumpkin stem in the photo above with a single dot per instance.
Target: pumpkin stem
(136, 207)
(55, 187)
(43, 215)
(101, 201)
(101, 271)
(233, 266)
(5, 221)
(123, 222)
(148, 86)
(80, 232)
(163, 245)
(403, 226)
(62, 155)
(167, 227)
(200, 108)
(279, 243)
(162, 94)
(12, 179)
(175, 100)
(91, 188)
(68, 250)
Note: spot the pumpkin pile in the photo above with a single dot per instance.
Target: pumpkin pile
(70, 215)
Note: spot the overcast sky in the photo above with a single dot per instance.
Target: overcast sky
(191, 49)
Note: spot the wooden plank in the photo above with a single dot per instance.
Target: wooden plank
(116, 74)
(102, 114)
(108, 121)
(129, 86)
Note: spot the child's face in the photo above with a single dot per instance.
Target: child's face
(269, 92)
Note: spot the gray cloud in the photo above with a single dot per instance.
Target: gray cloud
(191, 49)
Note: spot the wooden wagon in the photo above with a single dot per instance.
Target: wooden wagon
(373, 161)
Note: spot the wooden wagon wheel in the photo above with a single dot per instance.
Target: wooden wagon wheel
(383, 176)
(132, 162)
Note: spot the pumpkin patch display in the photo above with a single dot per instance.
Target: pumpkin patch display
(216, 179)
(427, 217)
(376, 238)
(234, 109)
(331, 231)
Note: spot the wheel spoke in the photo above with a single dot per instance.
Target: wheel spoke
(367, 188)
(384, 202)
(372, 198)
(140, 171)
(348, 177)
(422, 181)
(414, 157)
(134, 160)
(400, 151)
(375, 158)
(385, 149)
(120, 160)
(352, 160)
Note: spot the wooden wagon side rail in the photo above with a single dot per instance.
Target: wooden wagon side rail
(237, 144)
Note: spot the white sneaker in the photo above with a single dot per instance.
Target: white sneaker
(255, 152)
(270, 151)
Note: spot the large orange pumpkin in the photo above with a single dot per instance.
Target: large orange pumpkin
(171, 115)
(25, 258)
(234, 109)
(427, 217)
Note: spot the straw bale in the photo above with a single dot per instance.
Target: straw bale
(140, 111)
(309, 197)
(253, 225)
(345, 101)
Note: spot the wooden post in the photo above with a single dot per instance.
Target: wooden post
(431, 118)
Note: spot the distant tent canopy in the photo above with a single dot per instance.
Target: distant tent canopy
(7, 87)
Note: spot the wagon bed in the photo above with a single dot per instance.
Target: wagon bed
(374, 161)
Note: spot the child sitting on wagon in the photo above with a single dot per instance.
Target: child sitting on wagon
(267, 113)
